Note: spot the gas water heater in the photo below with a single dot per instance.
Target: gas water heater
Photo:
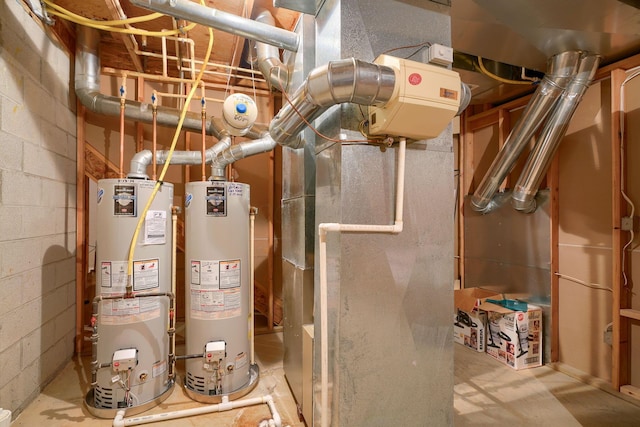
(217, 300)
(130, 340)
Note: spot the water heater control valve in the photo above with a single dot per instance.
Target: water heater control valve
(125, 359)
(215, 351)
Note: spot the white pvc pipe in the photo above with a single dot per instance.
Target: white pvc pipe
(226, 405)
(252, 222)
(323, 229)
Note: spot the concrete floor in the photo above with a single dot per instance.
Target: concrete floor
(490, 393)
(487, 393)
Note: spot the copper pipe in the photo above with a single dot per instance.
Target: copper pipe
(204, 133)
(121, 138)
(204, 147)
(123, 101)
(154, 148)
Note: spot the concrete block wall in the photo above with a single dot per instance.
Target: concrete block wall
(37, 208)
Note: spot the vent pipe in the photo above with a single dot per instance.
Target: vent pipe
(523, 197)
(561, 69)
(142, 159)
(87, 87)
(237, 152)
(345, 80)
(227, 22)
(268, 58)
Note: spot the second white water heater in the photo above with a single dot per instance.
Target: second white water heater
(217, 300)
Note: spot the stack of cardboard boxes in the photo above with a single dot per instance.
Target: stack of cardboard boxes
(500, 325)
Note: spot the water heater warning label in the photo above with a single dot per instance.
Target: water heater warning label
(216, 274)
(146, 275)
(214, 304)
(114, 275)
(217, 200)
(124, 200)
(229, 274)
(215, 289)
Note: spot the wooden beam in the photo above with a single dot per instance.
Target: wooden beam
(629, 313)
(620, 348)
(262, 303)
(553, 182)
(128, 39)
(504, 128)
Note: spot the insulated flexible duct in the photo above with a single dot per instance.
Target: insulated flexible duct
(523, 197)
(561, 69)
(227, 22)
(345, 80)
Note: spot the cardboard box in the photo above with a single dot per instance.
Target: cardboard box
(514, 337)
(469, 323)
(470, 329)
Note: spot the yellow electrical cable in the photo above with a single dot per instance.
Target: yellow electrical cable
(126, 21)
(498, 78)
(183, 114)
(133, 31)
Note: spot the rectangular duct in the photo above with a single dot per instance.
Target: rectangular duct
(390, 297)
(310, 7)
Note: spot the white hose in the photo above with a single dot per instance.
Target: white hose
(323, 229)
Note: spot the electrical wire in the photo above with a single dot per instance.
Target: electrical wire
(631, 74)
(498, 78)
(419, 45)
(56, 10)
(126, 21)
(583, 283)
(174, 142)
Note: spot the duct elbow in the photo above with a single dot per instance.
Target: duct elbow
(268, 58)
(138, 165)
(524, 207)
(523, 200)
(465, 98)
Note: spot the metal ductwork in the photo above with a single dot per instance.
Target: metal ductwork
(237, 152)
(227, 22)
(268, 58)
(345, 80)
(523, 197)
(561, 70)
(87, 87)
(142, 159)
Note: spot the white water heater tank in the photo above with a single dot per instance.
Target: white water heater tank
(132, 343)
(217, 300)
